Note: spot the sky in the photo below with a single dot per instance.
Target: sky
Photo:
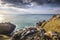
(29, 7)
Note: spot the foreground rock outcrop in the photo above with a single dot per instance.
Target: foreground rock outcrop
(4, 37)
(26, 34)
(34, 34)
(6, 28)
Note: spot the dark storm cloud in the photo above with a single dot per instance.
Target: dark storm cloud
(22, 3)
(11, 1)
(37, 1)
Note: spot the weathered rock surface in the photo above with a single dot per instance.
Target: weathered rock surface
(6, 28)
(26, 34)
(29, 34)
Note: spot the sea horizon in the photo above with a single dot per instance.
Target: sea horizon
(24, 20)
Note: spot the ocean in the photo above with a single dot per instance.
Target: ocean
(24, 20)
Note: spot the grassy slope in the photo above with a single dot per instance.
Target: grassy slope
(53, 24)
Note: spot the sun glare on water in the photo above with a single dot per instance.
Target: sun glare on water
(1, 18)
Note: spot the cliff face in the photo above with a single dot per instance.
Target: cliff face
(53, 24)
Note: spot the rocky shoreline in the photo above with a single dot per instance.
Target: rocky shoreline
(40, 32)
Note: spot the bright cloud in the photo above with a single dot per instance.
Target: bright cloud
(14, 10)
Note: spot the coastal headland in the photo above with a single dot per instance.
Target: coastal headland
(45, 30)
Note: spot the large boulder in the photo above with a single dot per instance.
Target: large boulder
(6, 28)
